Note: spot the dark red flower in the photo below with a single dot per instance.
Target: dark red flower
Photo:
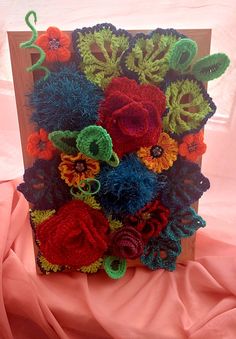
(132, 113)
(150, 220)
(126, 243)
(75, 236)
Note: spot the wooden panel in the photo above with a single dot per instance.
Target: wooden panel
(23, 82)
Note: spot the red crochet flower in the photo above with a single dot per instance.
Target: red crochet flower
(150, 220)
(131, 113)
(126, 243)
(192, 146)
(75, 236)
(55, 44)
(40, 146)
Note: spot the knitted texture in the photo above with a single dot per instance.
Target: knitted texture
(74, 168)
(65, 141)
(128, 187)
(55, 45)
(161, 156)
(188, 106)
(147, 58)
(99, 50)
(39, 146)
(126, 242)
(131, 114)
(65, 101)
(150, 220)
(185, 185)
(43, 186)
(161, 253)
(211, 67)
(46, 267)
(92, 268)
(38, 216)
(74, 236)
(192, 146)
(182, 54)
(115, 267)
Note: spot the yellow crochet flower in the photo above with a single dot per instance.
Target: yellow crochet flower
(160, 156)
(75, 168)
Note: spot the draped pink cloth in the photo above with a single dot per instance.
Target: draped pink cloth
(196, 301)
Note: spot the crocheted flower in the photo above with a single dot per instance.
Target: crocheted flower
(160, 156)
(185, 184)
(131, 114)
(65, 101)
(129, 187)
(126, 243)
(55, 45)
(150, 220)
(43, 186)
(74, 236)
(192, 146)
(40, 146)
(76, 168)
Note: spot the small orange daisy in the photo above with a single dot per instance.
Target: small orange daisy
(39, 146)
(75, 168)
(55, 45)
(160, 156)
(192, 146)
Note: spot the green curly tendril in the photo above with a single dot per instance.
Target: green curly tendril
(30, 44)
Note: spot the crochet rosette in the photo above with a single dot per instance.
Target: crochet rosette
(118, 125)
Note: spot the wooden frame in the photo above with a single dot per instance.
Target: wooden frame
(23, 82)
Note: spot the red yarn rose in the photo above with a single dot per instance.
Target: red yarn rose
(150, 220)
(126, 243)
(131, 113)
(74, 236)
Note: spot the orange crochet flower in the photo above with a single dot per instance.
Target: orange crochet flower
(76, 168)
(55, 44)
(39, 146)
(192, 146)
(160, 156)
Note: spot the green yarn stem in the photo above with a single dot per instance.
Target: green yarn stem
(182, 54)
(89, 190)
(30, 44)
(115, 272)
(114, 160)
(210, 67)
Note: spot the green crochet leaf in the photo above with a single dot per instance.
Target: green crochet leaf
(115, 267)
(147, 59)
(183, 223)
(210, 67)
(100, 49)
(95, 142)
(65, 141)
(182, 54)
(188, 106)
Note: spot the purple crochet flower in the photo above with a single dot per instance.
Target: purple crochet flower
(126, 243)
(43, 186)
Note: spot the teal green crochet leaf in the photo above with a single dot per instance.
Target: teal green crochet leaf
(182, 54)
(115, 267)
(65, 141)
(210, 67)
(183, 223)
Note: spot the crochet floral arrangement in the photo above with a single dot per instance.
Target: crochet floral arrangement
(118, 127)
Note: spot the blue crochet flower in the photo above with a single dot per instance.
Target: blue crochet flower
(128, 187)
(185, 184)
(43, 186)
(161, 253)
(65, 101)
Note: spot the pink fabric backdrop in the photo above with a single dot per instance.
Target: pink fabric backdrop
(197, 300)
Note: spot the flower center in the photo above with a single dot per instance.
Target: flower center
(54, 44)
(41, 145)
(80, 166)
(156, 151)
(146, 216)
(192, 147)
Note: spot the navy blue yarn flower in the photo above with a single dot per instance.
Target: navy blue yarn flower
(65, 101)
(182, 223)
(128, 187)
(161, 253)
(185, 184)
(43, 186)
